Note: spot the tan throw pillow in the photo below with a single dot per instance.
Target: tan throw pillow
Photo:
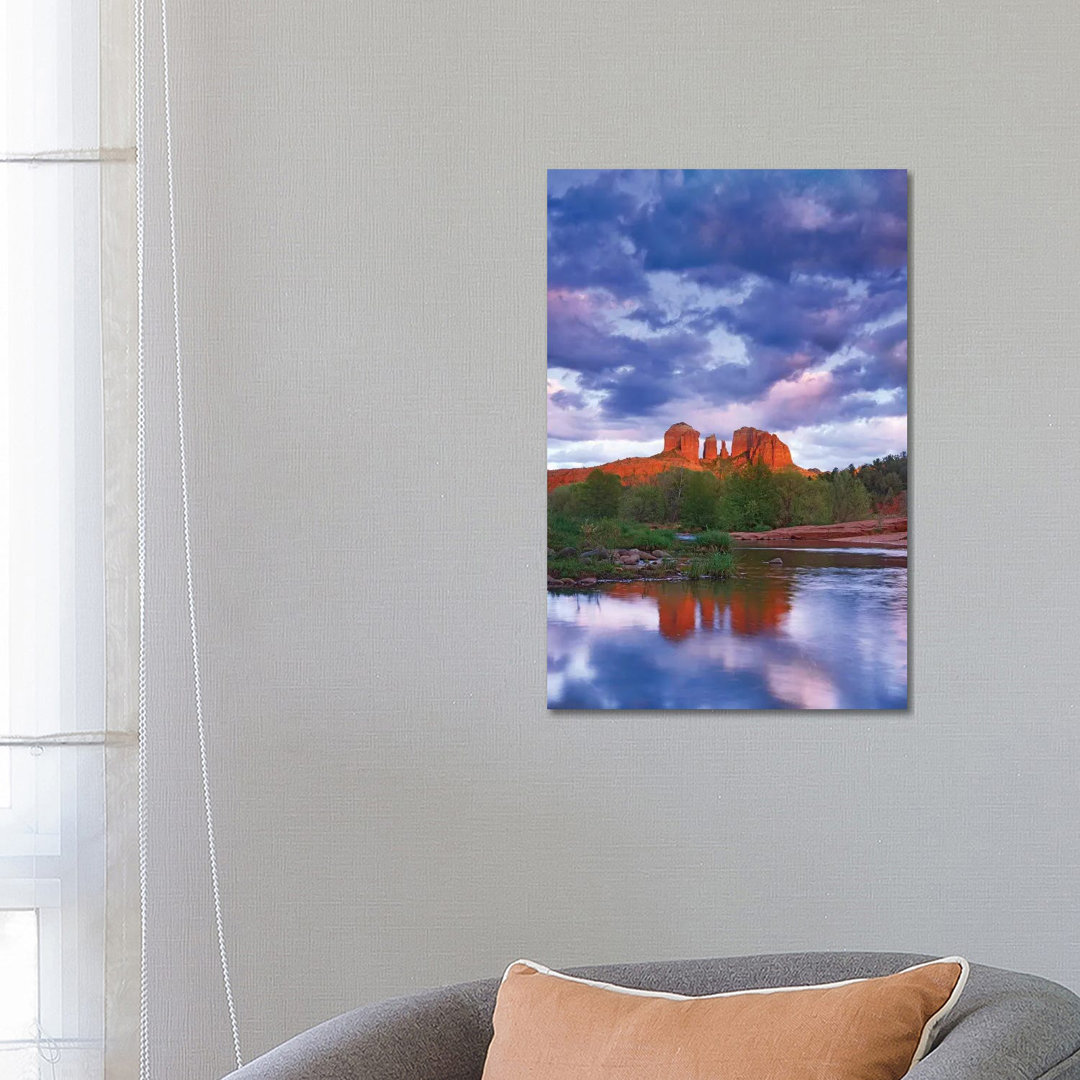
(550, 1026)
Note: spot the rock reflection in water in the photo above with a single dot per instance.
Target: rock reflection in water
(684, 607)
(826, 634)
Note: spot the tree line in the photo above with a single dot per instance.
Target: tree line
(746, 500)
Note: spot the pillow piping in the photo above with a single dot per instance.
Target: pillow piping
(929, 1028)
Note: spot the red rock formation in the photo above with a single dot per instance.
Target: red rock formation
(682, 439)
(634, 470)
(681, 452)
(760, 446)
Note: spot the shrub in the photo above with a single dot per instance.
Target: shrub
(604, 533)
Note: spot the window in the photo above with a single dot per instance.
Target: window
(52, 578)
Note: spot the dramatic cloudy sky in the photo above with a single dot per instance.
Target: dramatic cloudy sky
(775, 300)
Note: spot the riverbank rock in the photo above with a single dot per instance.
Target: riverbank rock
(775, 562)
(568, 553)
(846, 532)
(661, 554)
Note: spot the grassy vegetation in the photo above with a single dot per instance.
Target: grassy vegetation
(563, 532)
(605, 570)
(606, 533)
(711, 540)
(574, 567)
(570, 540)
(718, 566)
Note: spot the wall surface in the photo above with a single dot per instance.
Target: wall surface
(361, 214)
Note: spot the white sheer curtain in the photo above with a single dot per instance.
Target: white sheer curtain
(52, 545)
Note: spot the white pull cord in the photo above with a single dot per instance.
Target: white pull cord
(197, 680)
(140, 455)
(140, 199)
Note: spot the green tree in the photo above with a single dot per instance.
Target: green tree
(789, 489)
(566, 500)
(804, 500)
(885, 477)
(849, 500)
(813, 507)
(643, 502)
(600, 495)
(701, 502)
(673, 486)
(750, 499)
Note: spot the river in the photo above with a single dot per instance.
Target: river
(827, 629)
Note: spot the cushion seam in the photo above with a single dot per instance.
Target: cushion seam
(1055, 1070)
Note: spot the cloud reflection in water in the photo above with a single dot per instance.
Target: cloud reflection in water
(822, 635)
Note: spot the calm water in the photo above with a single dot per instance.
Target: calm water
(827, 630)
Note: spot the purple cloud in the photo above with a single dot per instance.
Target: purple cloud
(779, 297)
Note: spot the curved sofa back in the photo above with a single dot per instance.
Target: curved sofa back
(1006, 1026)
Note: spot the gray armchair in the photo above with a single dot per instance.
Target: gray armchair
(1006, 1026)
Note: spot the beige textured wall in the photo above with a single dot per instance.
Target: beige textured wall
(361, 209)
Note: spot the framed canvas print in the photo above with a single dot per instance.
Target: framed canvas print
(727, 476)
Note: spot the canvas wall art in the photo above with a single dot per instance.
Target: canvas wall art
(727, 480)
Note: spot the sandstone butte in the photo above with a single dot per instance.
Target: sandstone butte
(681, 443)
